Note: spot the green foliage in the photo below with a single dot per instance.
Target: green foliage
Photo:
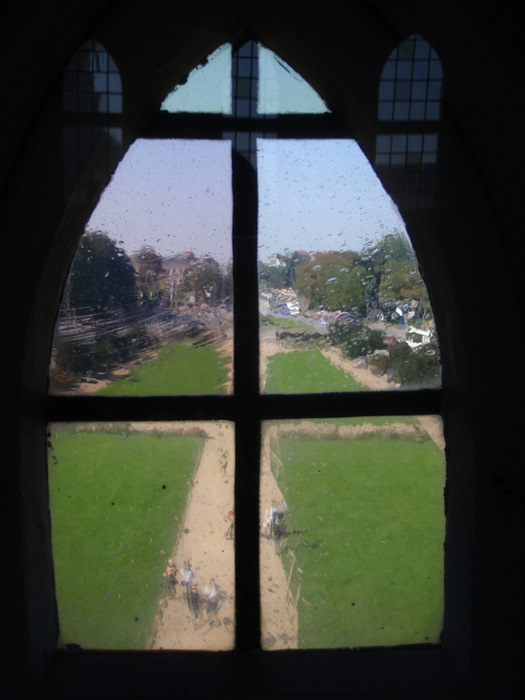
(420, 367)
(135, 340)
(380, 360)
(345, 290)
(105, 354)
(281, 322)
(356, 340)
(332, 280)
(117, 501)
(72, 357)
(148, 266)
(101, 276)
(306, 371)
(357, 282)
(393, 247)
(274, 277)
(402, 281)
(179, 369)
(206, 281)
(284, 274)
(367, 528)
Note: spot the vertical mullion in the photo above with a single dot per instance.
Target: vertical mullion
(246, 393)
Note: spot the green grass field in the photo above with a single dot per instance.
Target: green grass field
(117, 501)
(180, 369)
(367, 527)
(282, 322)
(306, 372)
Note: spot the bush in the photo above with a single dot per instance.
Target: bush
(380, 359)
(418, 367)
(135, 340)
(73, 357)
(356, 340)
(105, 354)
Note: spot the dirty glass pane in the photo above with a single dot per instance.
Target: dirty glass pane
(142, 534)
(208, 87)
(91, 82)
(282, 90)
(414, 76)
(342, 304)
(352, 532)
(147, 307)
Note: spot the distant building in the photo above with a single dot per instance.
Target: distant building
(175, 265)
(276, 260)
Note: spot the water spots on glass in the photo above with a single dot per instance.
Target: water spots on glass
(358, 309)
(409, 93)
(376, 485)
(208, 87)
(141, 314)
(159, 574)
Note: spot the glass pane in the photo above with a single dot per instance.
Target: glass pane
(142, 529)
(413, 68)
(147, 307)
(342, 304)
(208, 87)
(87, 75)
(352, 532)
(282, 90)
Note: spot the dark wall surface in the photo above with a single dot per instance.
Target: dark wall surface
(470, 247)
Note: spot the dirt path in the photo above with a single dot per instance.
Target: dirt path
(270, 346)
(279, 620)
(202, 538)
(432, 424)
(202, 541)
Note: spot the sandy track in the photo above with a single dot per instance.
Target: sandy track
(202, 540)
(432, 424)
(279, 620)
(270, 346)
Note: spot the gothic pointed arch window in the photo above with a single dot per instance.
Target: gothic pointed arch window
(408, 114)
(92, 131)
(341, 288)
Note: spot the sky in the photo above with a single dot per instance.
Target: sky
(175, 195)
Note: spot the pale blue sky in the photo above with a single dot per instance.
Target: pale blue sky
(175, 195)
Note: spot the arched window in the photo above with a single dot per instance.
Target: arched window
(92, 98)
(409, 107)
(366, 277)
(475, 220)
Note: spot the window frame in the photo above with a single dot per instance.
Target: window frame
(247, 408)
(397, 666)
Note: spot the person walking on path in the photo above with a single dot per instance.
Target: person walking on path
(187, 581)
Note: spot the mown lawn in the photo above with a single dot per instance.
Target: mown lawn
(180, 369)
(306, 372)
(367, 527)
(283, 322)
(117, 501)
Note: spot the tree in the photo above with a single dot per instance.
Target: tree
(148, 267)
(206, 281)
(331, 279)
(102, 276)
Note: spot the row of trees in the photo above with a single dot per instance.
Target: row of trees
(104, 278)
(353, 281)
(113, 306)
